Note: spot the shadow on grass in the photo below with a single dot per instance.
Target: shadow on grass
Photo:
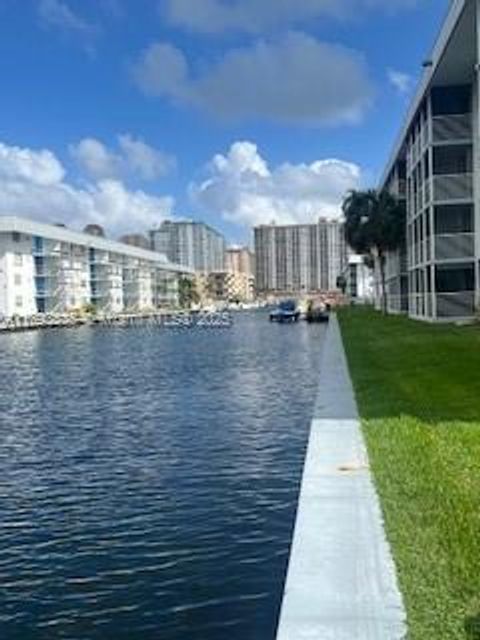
(472, 627)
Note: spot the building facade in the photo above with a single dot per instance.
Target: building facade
(50, 269)
(299, 258)
(358, 280)
(231, 287)
(192, 244)
(240, 260)
(436, 165)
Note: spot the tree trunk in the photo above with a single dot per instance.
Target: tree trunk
(383, 285)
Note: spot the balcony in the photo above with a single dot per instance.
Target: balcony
(454, 128)
(460, 304)
(449, 188)
(454, 246)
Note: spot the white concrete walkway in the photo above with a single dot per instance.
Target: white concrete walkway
(341, 582)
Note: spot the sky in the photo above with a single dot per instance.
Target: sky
(235, 112)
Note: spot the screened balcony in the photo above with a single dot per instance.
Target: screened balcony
(452, 173)
(455, 287)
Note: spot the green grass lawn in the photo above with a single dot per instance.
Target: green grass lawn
(418, 390)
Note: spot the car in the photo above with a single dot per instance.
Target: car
(286, 311)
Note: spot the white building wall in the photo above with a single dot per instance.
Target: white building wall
(17, 284)
(69, 270)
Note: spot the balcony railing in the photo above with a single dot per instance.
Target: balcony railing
(452, 128)
(453, 246)
(447, 188)
(460, 304)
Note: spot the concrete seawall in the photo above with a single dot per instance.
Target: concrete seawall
(341, 582)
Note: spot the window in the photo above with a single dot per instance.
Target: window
(37, 244)
(454, 278)
(452, 100)
(18, 260)
(17, 280)
(452, 160)
(16, 237)
(19, 301)
(454, 219)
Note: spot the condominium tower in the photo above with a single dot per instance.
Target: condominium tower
(299, 258)
(52, 269)
(240, 260)
(435, 168)
(192, 244)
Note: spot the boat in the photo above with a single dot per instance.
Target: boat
(317, 314)
(287, 311)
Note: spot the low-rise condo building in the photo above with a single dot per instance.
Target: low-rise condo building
(231, 286)
(435, 167)
(51, 269)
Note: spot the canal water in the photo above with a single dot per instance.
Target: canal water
(149, 479)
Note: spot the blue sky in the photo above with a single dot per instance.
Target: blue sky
(235, 112)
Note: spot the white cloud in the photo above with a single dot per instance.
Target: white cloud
(401, 81)
(33, 184)
(258, 16)
(163, 70)
(244, 190)
(58, 14)
(133, 157)
(37, 167)
(293, 80)
(144, 160)
(94, 158)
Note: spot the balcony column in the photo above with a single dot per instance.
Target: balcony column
(476, 157)
(431, 212)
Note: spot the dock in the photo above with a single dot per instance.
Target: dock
(161, 319)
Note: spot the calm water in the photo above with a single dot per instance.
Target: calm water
(149, 480)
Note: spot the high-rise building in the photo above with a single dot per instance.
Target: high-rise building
(299, 258)
(52, 269)
(240, 260)
(435, 168)
(135, 240)
(192, 244)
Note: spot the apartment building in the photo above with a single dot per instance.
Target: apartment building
(299, 258)
(435, 166)
(52, 269)
(240, 260)
(231, 286)
(192, 244)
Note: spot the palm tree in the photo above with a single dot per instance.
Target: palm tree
(374, 224)
(187, 292)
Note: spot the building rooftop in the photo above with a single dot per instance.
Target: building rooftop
(10, 224)
(432, 65)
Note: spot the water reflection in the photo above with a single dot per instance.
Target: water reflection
(149, 479)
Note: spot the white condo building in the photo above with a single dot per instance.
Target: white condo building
(435, 169)
(299, 258)
(51, 269)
